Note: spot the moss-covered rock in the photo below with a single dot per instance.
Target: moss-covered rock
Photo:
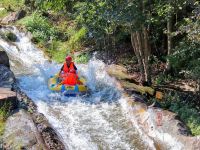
(10, 36)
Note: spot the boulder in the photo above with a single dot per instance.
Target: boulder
(21, 133)
(164, 127)
(14, 16)
(4, 58)
(49, 135)
(8, 97)
(7, 78)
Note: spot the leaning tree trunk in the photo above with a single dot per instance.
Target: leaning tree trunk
(135, 46)
(141, 46)
(140, 43)
(147, 52)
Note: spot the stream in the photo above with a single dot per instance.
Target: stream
(97, 120)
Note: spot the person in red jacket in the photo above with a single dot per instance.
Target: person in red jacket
(68, 72)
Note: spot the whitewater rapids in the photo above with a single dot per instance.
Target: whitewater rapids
(98, 120)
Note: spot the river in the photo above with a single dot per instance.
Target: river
(97, 120)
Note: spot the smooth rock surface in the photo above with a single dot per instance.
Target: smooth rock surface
(163, 126)
(21, 133)
(7, 78)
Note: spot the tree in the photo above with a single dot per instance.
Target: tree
(102, 18)
(167, 10)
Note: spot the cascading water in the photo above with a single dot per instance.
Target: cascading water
(93, 121)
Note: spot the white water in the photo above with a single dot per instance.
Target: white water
(94, 121)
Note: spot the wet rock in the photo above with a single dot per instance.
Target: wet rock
(10, 36)
(4, 58)
(21, 133)
(14, 16)
(8, 97)
(7, 78)
(164, 127)
(49, 135)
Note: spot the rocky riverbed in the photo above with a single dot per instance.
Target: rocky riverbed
(25, 127)
(162, 126)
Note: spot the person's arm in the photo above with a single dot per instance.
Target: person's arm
(61, 69)
(75, 67)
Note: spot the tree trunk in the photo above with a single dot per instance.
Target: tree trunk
(136, 51)
(147, 51)
(140, 43)
(169, 41)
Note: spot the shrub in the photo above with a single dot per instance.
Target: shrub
(186, 54)
(83, 58)
(188, 114)
(76, 37)
(13, 4)
(40, 27)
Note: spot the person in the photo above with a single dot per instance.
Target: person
(68, 73)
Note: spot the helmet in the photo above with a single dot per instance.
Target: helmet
(68, 58)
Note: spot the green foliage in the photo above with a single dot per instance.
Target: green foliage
(186, 54)
(9, 5)
(162, 79)
(59, 56)
(58, 50)
(40, 27)
(2, 127)
(188, 114)
(3, 12)
(56, 5)
(186, 58)
(76, 38)
(82, 59)
(5, 111)
(12, 4)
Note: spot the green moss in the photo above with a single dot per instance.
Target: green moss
(2, 127)
(4, 113)
(3, 13)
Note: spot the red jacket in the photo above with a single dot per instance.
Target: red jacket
(70, 69)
